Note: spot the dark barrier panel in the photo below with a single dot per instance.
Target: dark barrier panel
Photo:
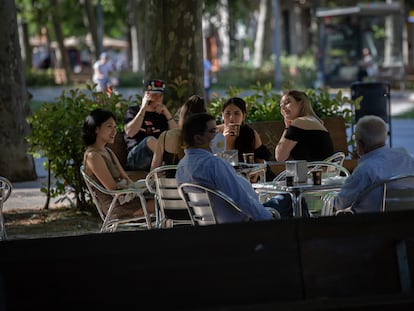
(177, 268)
(327, 263)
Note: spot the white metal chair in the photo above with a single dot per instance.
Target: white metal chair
(394, 194)
(337, 157)
(210, 206)
(5, 191)
(171, 210)
(108, 216)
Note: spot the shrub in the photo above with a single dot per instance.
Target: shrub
(57, 135)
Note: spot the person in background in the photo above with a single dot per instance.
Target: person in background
(144, 124)
(170, 145)
(101, 164)
(199, 165)
(367, 66)
(377, 162)
(101, 69)
(207, 79)
(305, 137)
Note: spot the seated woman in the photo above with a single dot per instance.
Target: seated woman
(101, 164)
(247, 140)
(169, 149)
(305, 136)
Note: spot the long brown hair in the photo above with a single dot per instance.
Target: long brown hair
(194, 104)
(305, 103)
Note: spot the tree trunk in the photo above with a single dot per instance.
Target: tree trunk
(15, 163)
(259, 41)
(136, 25)
(91, 25)
(268, 35)
(24, 31)
(174, 47)
(56, 18)
(224, 33)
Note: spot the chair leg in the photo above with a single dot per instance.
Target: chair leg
(3, 229)
(2, 226)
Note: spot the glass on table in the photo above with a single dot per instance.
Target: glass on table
(248, 158)
(317, 177)
(289, 180)
(231, 156)
(234, 129)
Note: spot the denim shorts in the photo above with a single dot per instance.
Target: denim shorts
(140, 157)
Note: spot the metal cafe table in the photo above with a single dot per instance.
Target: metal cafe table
(247, 170)
(298, 190)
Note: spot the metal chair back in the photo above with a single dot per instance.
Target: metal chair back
(209, 206)
(111, 223)
(6, 189)
(171, 210)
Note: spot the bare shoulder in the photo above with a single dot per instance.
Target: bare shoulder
(308, 123)
(91, 154)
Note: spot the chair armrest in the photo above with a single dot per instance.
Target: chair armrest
(344, 211)
(275, 213)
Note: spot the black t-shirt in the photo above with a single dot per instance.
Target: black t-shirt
(152, 125)
(312, 145)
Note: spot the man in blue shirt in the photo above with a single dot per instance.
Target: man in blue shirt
(377, 162)
(200, 166)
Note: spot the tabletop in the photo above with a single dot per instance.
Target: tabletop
(299, 189)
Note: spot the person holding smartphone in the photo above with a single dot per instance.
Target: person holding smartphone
(144, 124)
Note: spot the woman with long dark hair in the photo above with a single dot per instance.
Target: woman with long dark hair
(238, 134)
(102, 165)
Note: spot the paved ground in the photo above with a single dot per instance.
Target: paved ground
(28, 194)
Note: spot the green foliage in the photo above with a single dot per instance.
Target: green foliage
(243, 76)
(295, 70)
(299, 70)
(405, 115)
(131, 79)
(57, 136)
(326, 105)
(39, 77)
(262, 103)
(177, 92)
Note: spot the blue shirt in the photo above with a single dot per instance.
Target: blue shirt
(202, 167)
(373, 166)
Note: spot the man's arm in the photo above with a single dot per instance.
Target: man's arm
(132, 127)
(162, 109)
(352, 187)
(240, 190)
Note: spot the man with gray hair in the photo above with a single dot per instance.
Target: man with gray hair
(377, 162)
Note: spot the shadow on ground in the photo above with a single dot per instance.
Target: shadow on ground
(63, 221)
